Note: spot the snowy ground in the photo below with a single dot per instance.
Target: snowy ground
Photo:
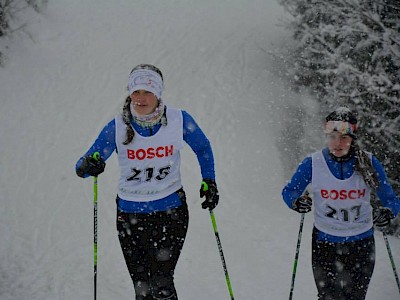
(65, 76)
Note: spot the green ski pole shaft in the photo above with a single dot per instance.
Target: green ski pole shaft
(221, 253)
(96, 156)
(391, 259)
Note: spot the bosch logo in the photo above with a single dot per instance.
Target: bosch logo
(150, 153)
(343, 194)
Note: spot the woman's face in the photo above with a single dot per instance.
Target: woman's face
(144, 102)
(339, 144)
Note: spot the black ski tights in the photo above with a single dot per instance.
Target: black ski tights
(342, 271)
(151, 244)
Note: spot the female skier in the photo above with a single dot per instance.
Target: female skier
(152, 214)
(342, 178)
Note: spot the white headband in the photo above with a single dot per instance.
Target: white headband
(144, 79)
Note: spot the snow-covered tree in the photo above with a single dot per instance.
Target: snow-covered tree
(4, 15)
(9, 20)
(348, 52)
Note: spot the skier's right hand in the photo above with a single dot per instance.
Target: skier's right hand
(91, 166)
(302, 204)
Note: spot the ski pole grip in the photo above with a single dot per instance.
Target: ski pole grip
(96, 155)
(204, 186)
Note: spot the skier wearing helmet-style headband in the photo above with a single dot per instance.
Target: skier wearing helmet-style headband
(342, 177)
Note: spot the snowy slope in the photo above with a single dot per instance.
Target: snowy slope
(65, 77)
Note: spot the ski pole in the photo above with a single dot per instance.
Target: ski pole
(391, 259)
(296, 256)
(376, 203)
(96, 156)
(221, 253)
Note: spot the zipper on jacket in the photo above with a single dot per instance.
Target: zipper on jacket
(341, 170)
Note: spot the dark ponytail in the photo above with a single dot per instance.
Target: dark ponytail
(363, 165)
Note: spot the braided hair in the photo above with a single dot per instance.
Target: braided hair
(363, 165)
(126, 117)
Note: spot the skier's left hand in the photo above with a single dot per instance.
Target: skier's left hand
(210, 191)
(382, 216)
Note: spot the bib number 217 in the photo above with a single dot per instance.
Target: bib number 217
(344, 214)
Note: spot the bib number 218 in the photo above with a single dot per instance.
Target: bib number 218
(148, 174)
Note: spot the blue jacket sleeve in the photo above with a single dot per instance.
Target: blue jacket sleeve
(196, 139)
(299, 182)
(385, 191)
(104, 144)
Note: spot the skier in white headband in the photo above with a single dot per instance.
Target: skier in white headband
(152, 214)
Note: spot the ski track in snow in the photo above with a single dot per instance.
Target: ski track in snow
(68, 79)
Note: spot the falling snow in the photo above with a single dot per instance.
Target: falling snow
(65, 77)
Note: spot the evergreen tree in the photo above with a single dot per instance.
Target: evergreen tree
(348, 53)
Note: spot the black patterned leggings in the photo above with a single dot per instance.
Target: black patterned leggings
(151, 245)
(342, 271)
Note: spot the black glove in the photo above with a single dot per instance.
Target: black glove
(210, 190)
(302, 204)
(91, 166)
(382, 216)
